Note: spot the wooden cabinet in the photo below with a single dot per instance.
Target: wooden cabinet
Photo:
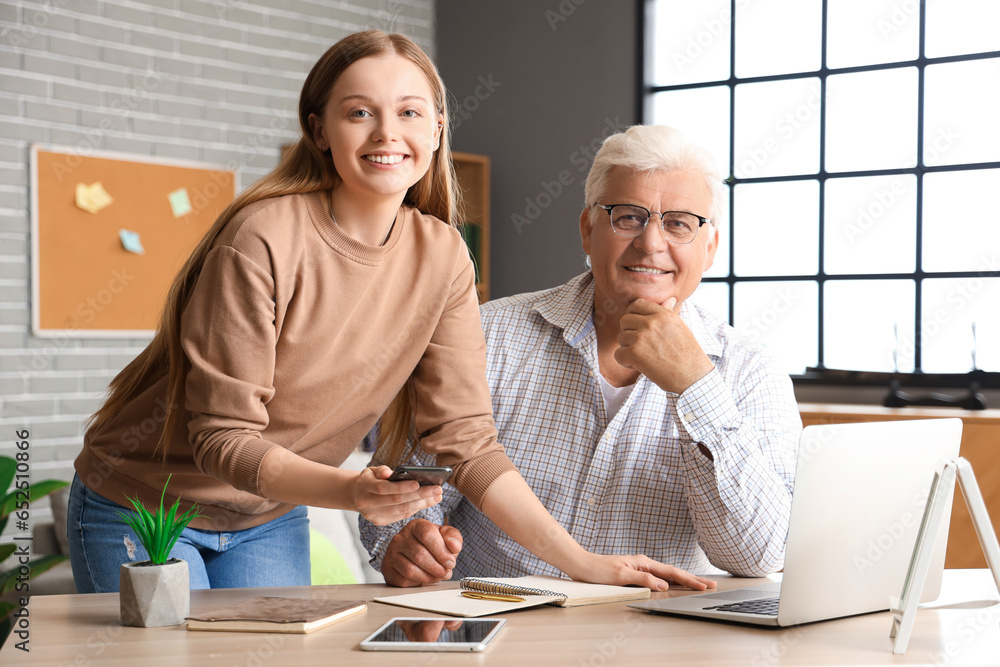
(980, 446)
(473, 173)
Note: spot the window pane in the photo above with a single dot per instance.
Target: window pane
(870, 225)
(702, 114)
(720, 267)
(690, 41)
(777, 128)
(860, 324)
(871, 120)
(959, 26)
(713, 297)
(950, 306)
(778, 37)
(868, 32)
(960, 221)
(960, 112)
(777, 228)
(782, 316)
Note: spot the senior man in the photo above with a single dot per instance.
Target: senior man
(643, 423)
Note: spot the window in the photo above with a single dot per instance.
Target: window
(862, 143)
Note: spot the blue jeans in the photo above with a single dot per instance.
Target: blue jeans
(273, 554)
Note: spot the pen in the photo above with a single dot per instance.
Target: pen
(476, 595)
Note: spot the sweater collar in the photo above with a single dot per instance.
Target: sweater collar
(346, 244)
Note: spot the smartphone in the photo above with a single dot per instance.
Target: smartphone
(426, 475)
(434, 634)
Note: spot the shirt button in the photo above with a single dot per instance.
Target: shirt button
(591, 502)
(690, 417)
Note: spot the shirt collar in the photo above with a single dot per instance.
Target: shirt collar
(570, 307)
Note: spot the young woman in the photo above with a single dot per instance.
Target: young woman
(332, 292)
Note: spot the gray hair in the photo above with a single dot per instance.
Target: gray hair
(654, 149)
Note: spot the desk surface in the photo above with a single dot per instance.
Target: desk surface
(82, 630)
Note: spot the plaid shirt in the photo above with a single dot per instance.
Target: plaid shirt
(638, 484)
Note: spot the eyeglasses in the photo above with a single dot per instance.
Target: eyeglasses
(631, 220)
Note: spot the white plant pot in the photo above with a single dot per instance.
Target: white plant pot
(154, 595)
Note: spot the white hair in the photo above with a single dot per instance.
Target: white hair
(649, 149)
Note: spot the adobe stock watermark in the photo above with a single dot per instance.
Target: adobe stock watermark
(958, 298)
(121, 107)
(891, 534)
(84, 313)
(562, 12)
(971, 627)
(712, 29)
(758, 325)
(884, 199)
(785, 128)
(25, 32)
(462, 111)
(551, 190)
(899, 15)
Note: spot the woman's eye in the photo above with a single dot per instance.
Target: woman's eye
(359, 113)
(411, 113)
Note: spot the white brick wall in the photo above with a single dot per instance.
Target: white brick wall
(213, 81)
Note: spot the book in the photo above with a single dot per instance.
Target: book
(275, 614)
(536, 590)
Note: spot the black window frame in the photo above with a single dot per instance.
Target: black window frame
(820, 374)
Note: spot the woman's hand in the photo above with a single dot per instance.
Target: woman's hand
(637, 571)
(383, 502)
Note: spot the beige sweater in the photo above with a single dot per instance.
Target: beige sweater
(299, 337)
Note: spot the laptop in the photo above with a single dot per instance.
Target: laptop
(857, 504)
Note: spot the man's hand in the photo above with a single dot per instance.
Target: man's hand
(421, 553)
(656, 342)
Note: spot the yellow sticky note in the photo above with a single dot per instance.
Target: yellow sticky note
(92, 198)
(180, 203)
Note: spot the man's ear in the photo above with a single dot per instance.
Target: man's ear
(711, 247)
(316, 129)
(586, 229)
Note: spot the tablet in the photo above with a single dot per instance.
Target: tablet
(434, 634)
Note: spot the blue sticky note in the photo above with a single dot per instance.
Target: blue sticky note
(130, 241)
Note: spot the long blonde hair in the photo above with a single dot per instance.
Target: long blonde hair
(304, 168)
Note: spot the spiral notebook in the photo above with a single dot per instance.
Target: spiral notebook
(536, 590)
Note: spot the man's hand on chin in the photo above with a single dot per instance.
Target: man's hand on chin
(655, 341)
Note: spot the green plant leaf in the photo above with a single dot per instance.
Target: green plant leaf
(6, 550)
(6, 609)
(35, 491)
(9, 579)
(8, 468)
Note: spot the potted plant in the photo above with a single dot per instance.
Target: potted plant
(156, 592)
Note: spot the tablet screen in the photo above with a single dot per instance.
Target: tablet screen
(434, 633)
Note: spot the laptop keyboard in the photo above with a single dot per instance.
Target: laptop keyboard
(763, 607)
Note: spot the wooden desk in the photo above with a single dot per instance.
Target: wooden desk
(83, 631)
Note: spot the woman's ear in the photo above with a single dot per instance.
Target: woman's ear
(437, 134)
(316, 129)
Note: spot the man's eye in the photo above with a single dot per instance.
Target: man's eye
(677, 224)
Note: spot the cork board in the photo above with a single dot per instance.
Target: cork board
(85, 280)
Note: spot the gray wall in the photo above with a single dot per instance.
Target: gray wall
(536, 88)
(205, 80)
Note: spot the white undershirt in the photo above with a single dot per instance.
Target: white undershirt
(614, 397)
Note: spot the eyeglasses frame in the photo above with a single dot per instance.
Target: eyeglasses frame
(702, 221)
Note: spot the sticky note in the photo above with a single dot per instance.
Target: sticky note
(180, 204)
(130, 241)
(92, 198)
